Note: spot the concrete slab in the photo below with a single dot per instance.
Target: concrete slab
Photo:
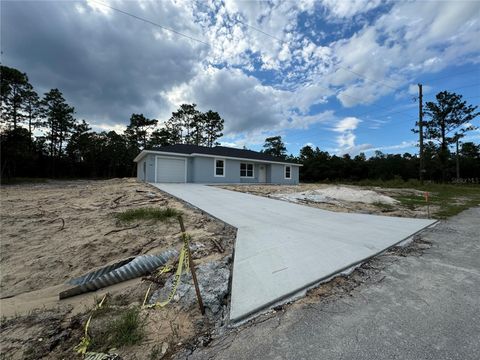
(282, 248)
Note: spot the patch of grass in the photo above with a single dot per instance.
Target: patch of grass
(397, 183)
(450, 198)
(147, 214)
(384, 207)
(127, 329)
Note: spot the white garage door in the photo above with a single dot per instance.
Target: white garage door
(170, 170)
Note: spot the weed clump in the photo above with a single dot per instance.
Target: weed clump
(127, 329)
(147, 214)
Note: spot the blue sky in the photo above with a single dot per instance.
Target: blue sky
(340, 75)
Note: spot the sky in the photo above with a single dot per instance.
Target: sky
(338, 74)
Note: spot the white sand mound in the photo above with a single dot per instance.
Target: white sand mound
(335, 194)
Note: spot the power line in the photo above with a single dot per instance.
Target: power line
(374, 105)
(283, 42)
(271, 36)
(341, 67)
(151, 22)
(356, 73)
(261, 31)
(405, 111)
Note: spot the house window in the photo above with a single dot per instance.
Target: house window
(288, 172)
(219, 167)
(246, 170)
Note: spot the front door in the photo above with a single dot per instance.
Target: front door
(262, 174)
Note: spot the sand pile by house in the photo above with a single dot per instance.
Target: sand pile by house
(337, 194)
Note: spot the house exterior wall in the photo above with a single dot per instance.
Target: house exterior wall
(140, 174)
(149, 161)
(190, 169)
(204, 170)
(277, 174)
(201, 170)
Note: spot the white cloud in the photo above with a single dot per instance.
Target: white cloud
(347, 124)
(104, 10)
(377, 123)
(246, 105)
(410, 39)
(355, 149)
(349, 8)
(346, 138)
(118, 128)
(231, 144)
(402, 145)
(151, 70)
(413, 89)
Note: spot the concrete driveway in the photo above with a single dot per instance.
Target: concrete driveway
(282, 248)
(423, 306)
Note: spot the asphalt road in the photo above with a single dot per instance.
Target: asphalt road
(425, 305)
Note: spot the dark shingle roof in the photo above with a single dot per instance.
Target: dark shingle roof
(220, 151)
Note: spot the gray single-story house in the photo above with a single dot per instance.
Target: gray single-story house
(184, 163)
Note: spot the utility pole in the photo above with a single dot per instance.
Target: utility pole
(457, 160)
(420, 127)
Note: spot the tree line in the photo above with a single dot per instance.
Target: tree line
(445, 157)
(319, 165)
(40, 136)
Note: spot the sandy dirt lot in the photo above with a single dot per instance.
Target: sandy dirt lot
(342, 198)
(56, 231)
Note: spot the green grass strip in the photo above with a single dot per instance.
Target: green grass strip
(147, 214)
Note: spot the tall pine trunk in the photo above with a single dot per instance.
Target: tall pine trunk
(443, 150)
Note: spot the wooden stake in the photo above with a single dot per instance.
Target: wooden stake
(192, 268)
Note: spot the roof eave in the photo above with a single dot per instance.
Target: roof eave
(144, 153)
(246, 159)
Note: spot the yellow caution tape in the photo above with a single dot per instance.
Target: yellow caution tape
(165, 269)
(82, 347)
(183, 261)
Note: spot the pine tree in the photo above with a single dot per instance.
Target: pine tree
(137, 130)
(449, 119)
(58, 119)
(213, 127)
(31, 108)
(13, 85)
(180, 123)
(274, 146)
